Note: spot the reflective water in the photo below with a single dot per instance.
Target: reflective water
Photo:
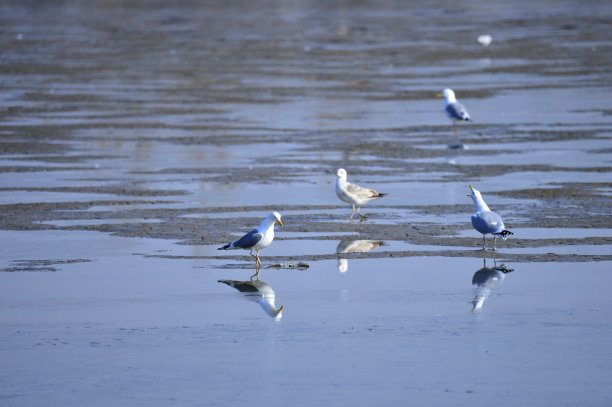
(135, 139)
(404, 326)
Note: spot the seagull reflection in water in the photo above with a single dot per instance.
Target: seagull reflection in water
(354, 246)
(259, 292)
(485, 280)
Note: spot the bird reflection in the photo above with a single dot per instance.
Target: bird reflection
(352, 246)
(485, 280)
(259, 292)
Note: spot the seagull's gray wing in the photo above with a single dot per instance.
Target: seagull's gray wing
(487, 222)
(249, 240)
(457, 111)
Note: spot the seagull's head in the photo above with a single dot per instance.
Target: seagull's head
(341, 173)
(277, 217)
(447, 94)
(478, 201)
(475, 194)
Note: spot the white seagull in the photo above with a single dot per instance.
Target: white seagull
(258, 238)
(354, 194)
(486, 221)
(455, 110)
(484, 40)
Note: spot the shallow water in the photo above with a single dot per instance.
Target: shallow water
(401, 326)
(137, 139)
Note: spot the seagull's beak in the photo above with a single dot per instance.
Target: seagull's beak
(439, 95)
(280, 223)
(472, 189)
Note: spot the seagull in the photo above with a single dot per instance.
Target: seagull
(455, 110)
(484, 40)
(354, 194)
(260, 292)
(257, 239)
(486, 221)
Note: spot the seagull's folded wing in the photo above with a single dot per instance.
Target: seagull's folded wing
(359, 192)
(249, 240)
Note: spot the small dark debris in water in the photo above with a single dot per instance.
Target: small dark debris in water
(458, 146)
(300, 265)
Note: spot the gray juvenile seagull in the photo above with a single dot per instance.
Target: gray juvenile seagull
(486, 221)
(354, 194)
(258, 238)
(455, 110)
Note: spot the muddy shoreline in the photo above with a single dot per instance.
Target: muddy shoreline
(205, 229)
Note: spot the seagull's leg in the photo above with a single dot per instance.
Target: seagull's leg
(483, 242)
(252, 255)
(360, 214)
(352, 213)
(494, 242)
(258, 262)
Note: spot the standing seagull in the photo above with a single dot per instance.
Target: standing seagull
(354, 194)
(257, 239)
(455, 110)
(486, 221)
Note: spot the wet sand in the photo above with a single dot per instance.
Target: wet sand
(136, 139)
